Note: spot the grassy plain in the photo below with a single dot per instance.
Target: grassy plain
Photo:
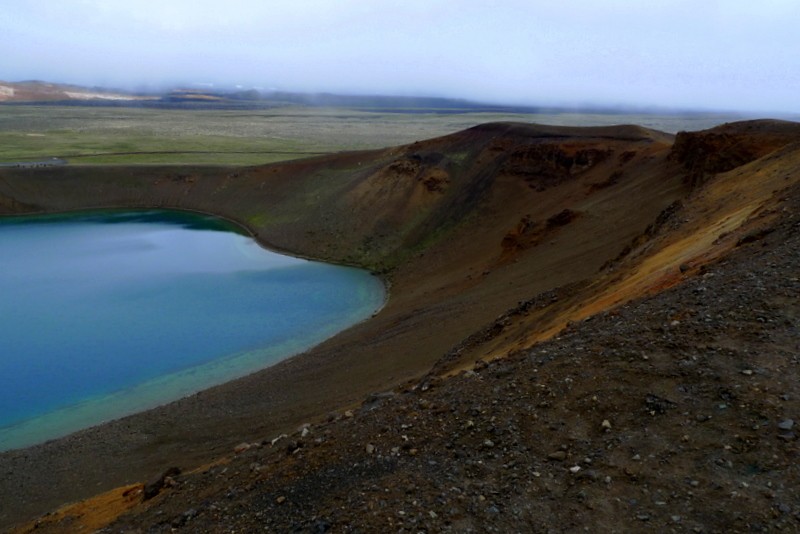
(124, 136)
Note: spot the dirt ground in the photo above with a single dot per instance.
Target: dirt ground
(664, 397)
(674, 413)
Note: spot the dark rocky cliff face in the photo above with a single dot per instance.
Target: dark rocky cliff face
(727, 147)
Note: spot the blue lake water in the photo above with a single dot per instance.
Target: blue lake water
(103, 314)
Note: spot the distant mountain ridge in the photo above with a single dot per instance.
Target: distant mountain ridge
(40, 92)
(46, 93)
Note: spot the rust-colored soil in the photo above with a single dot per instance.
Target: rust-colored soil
(493, 240)
(88, 515)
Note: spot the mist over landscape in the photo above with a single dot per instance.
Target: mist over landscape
(732, 55)
(529, 267)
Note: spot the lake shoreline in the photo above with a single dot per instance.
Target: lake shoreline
(57, 454)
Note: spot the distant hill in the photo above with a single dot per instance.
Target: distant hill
(384, 102)
(40, 92)
(36, 92)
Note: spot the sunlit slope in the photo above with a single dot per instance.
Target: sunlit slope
(737, 174)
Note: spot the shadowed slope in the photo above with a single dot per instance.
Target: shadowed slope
(370, 208)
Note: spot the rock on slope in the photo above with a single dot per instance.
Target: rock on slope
(672, 413)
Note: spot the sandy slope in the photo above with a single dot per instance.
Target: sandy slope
(492, 239)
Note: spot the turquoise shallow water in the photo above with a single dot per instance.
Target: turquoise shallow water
(106, 314)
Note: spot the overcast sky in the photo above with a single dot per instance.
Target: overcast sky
(718, 54)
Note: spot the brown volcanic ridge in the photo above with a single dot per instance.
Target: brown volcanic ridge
(588, 329)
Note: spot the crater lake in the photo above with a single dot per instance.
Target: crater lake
(103, 314)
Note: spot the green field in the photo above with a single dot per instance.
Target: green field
(100, 135)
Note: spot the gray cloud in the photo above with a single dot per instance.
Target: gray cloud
(715, 54)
